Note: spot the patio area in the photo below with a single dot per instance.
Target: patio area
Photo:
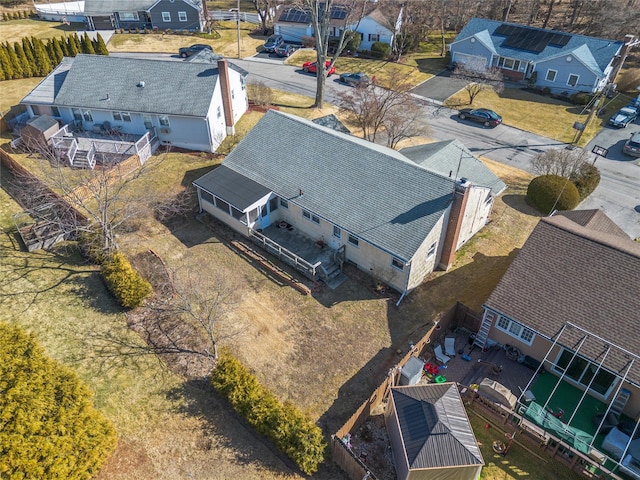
(296, 242)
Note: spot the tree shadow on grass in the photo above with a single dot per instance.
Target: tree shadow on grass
(519, 203)
(198, 399)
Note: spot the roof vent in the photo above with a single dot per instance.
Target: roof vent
(141, 83)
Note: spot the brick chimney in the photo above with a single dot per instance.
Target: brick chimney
(454, 224)
(227, 103)
(629, 41)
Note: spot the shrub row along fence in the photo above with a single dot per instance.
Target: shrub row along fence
(458, 316)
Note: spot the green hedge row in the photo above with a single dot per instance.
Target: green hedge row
(290, 430)
(125, 283)
(17, 15)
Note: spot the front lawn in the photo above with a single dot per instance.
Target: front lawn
(15, 30)
(532, 112)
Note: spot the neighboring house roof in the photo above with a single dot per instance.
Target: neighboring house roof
(339, 14)
(170, 88)
(368, 190)
(434, 427)
(594, 219)
(105, 7)
(42, 122)
(197, 4)
(567, 272)
(331, 121)
(452, 159)
(595, 53)
(208, 56)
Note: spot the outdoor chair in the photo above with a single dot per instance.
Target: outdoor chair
(440, 356)
(450, 346)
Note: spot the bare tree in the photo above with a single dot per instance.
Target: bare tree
(265, 9)
(181, 325)
(479, 79)
(374, 109)
(563, 162)
(106, 196)
(321, 12)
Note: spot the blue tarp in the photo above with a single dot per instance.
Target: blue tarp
(575, 437)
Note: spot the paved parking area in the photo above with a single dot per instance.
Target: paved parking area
(440, 87)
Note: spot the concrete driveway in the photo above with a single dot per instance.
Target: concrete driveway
(440, 87)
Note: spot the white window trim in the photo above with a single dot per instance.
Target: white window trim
(166, 16)
(182, 16)
(337, 232)
(555, 75)
(374, 37)
(432, 250)
(516, 64)
(577, 79)
(164, 121)
(508, 332)
(353, 241)
(129, 16)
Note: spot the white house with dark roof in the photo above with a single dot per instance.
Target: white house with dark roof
(570, 300)
(560, 61)
(192, 105)
(360, 202)
(294, 23)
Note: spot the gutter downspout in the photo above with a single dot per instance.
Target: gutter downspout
(406, 286)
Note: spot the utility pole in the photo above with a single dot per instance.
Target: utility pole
(238, 26)
(594, 110)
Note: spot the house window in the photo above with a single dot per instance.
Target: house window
(55, 112)
(166, 16)
(515, 329)
(219, 111)
(253, 215)
(573, 80)
(237, 214)
(164, 120)
(233, 95)
(86, 114)
(395, 263)
(77, 114)
(432, 250)
(551, 75)
(509, 63)
(121, 116)
(128, 16)
(243, 83)
(310, 216)
(182, 16)
(583, 371)
(273, 204)
(337, 232)
(354, 241)
(374, 37)
(284, 203)
(222, 205)
(207, 196)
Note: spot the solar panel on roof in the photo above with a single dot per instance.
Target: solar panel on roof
(295, 15)
(531, 39)
(338, 13)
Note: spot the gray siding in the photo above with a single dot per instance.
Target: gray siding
(193, 21)
(586, 78)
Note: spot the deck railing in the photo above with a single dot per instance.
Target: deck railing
(299, 263)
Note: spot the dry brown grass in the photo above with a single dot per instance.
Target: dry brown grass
(15, 30)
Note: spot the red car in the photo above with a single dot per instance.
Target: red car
(310, 67)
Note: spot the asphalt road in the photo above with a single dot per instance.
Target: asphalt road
(618, 194)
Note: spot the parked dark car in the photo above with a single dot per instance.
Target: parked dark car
(285, 50)
(311, 67)
(193, 49)
(486, 117)
(355, 79)
(632, 145)
(624, 117)
(273, 42)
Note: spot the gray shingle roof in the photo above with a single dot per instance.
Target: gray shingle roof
(170, 88)
(97, 7)
(596, 53)
(567, 272)
(45, 92)
(434, 427)
(236, 189)
(366, 189)
(594, 219)
(450, 157)
(331, 121)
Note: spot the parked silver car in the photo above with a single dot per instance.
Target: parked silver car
(632, 145)
(624, 117)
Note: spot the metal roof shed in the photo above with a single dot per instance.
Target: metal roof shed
(430, 434)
